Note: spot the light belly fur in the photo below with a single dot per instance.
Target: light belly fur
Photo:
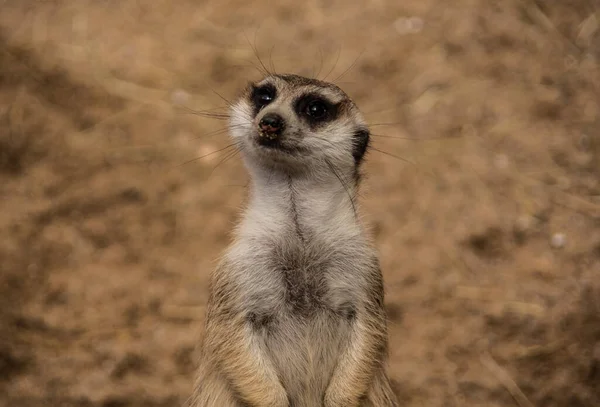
(305, 352)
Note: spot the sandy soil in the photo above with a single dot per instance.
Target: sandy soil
(489, 232)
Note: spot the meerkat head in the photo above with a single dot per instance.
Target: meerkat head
(296, 124)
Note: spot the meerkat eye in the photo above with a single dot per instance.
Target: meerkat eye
(262, 96)
(317, 109)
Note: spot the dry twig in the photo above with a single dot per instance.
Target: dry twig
(504, 378)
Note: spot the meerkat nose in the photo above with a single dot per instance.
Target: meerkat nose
(271, 125)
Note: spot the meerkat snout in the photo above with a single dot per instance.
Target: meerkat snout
(270, 127)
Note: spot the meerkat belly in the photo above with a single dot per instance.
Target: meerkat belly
(305, 352)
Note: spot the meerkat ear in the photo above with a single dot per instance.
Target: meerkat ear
(360, 143)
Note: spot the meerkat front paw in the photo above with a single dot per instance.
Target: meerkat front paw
(281, 399)
(276, 398)
(339, 399)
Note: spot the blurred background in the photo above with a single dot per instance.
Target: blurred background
(482, 189)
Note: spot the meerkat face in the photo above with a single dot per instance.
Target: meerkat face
(294, 123)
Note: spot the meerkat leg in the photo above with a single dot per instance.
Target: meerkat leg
(242, 359)
(380, 394)
(353, 376)
(212, 390)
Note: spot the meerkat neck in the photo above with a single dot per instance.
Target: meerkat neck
(322, 205)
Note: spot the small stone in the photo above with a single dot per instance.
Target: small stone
(130, 363)
(524, 222)
(558, 240)
(207, 153)
(79, 24)
(563, 183)
(501, 161)
(522, 227)
(180, 97)
(409, 25)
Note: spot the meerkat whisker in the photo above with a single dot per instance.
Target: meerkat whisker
(418, 139)
(257, 54)
(414, 164)
(344, 185)
(271, 59)
(337, 59)
(219, 132)
(227, 157)
(208, 115)
(390, 106)
(227, 101)
(349, 68)
(320, 63)
(394, 156)
(264, 70)
(232, 145)
(248, 64)
(205, 113)
(386, 124)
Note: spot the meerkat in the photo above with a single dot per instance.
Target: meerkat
(296, 314)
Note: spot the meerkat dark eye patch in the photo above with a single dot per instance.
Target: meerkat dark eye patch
(360, 143)
(315, 109)
(262, 96)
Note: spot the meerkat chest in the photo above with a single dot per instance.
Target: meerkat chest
(305, 280)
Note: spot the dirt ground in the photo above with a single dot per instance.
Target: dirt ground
(482, 188)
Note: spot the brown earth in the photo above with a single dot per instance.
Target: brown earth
(489, 237)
